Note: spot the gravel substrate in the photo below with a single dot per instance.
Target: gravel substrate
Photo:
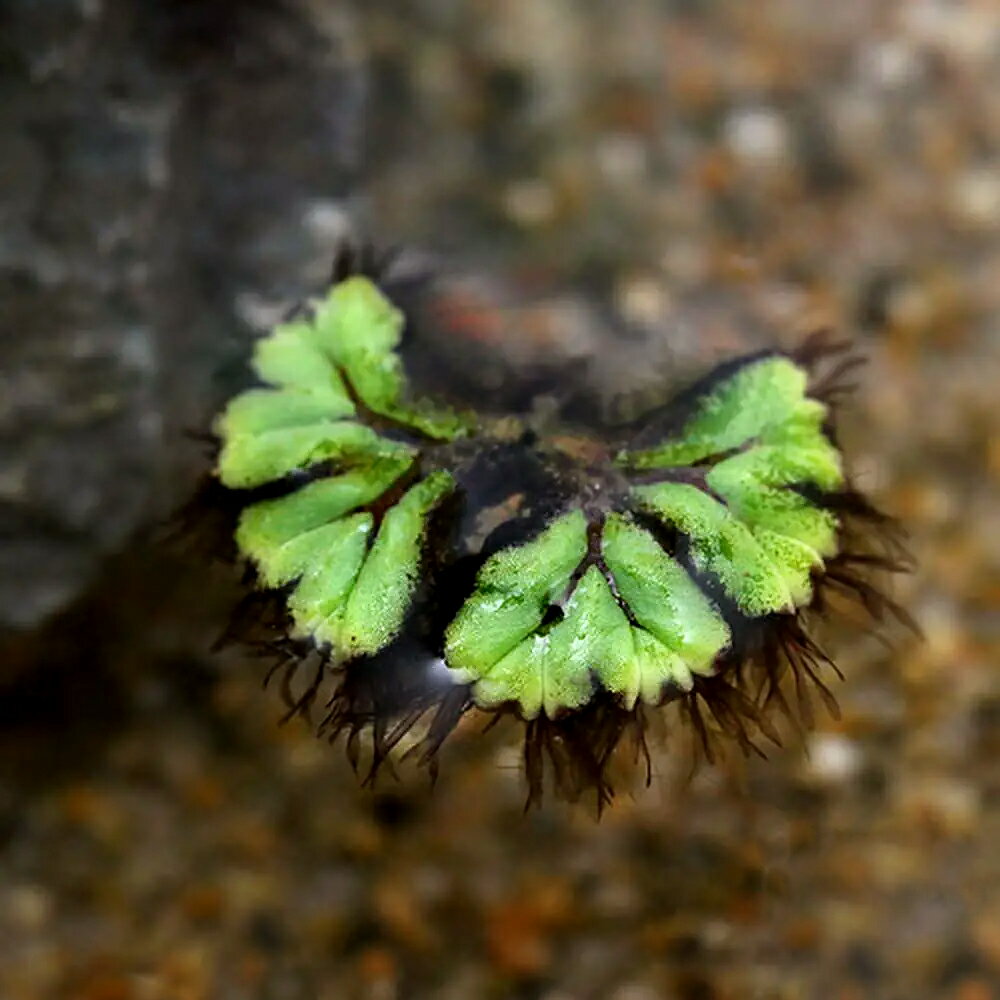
(646, 187)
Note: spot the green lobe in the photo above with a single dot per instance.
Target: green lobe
(291, 357)
(795, 562)
(319, 601)
(656, 667)
(669, 607)
(555, 672)
(260, 410)
(760, 399)
(308, 415)
(755, 485)
(518, 677)
(361, 330)
(721, 545)
(818, 463)
(252, 459)
(593, 639)
(268, 531)
(513, 590)
(378, 603)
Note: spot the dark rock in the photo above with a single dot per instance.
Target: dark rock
(167, 169)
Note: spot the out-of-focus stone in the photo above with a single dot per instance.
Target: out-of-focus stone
(154, 165)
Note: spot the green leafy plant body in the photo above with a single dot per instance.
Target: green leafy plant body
(721, 523)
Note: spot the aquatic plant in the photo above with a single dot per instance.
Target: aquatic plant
(428, 562)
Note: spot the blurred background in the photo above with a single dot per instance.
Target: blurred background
(641, 187)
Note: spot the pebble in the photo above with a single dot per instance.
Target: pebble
(758, 136)
(975, 197)
(833, 758)
(27, 908)
(530, 202)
